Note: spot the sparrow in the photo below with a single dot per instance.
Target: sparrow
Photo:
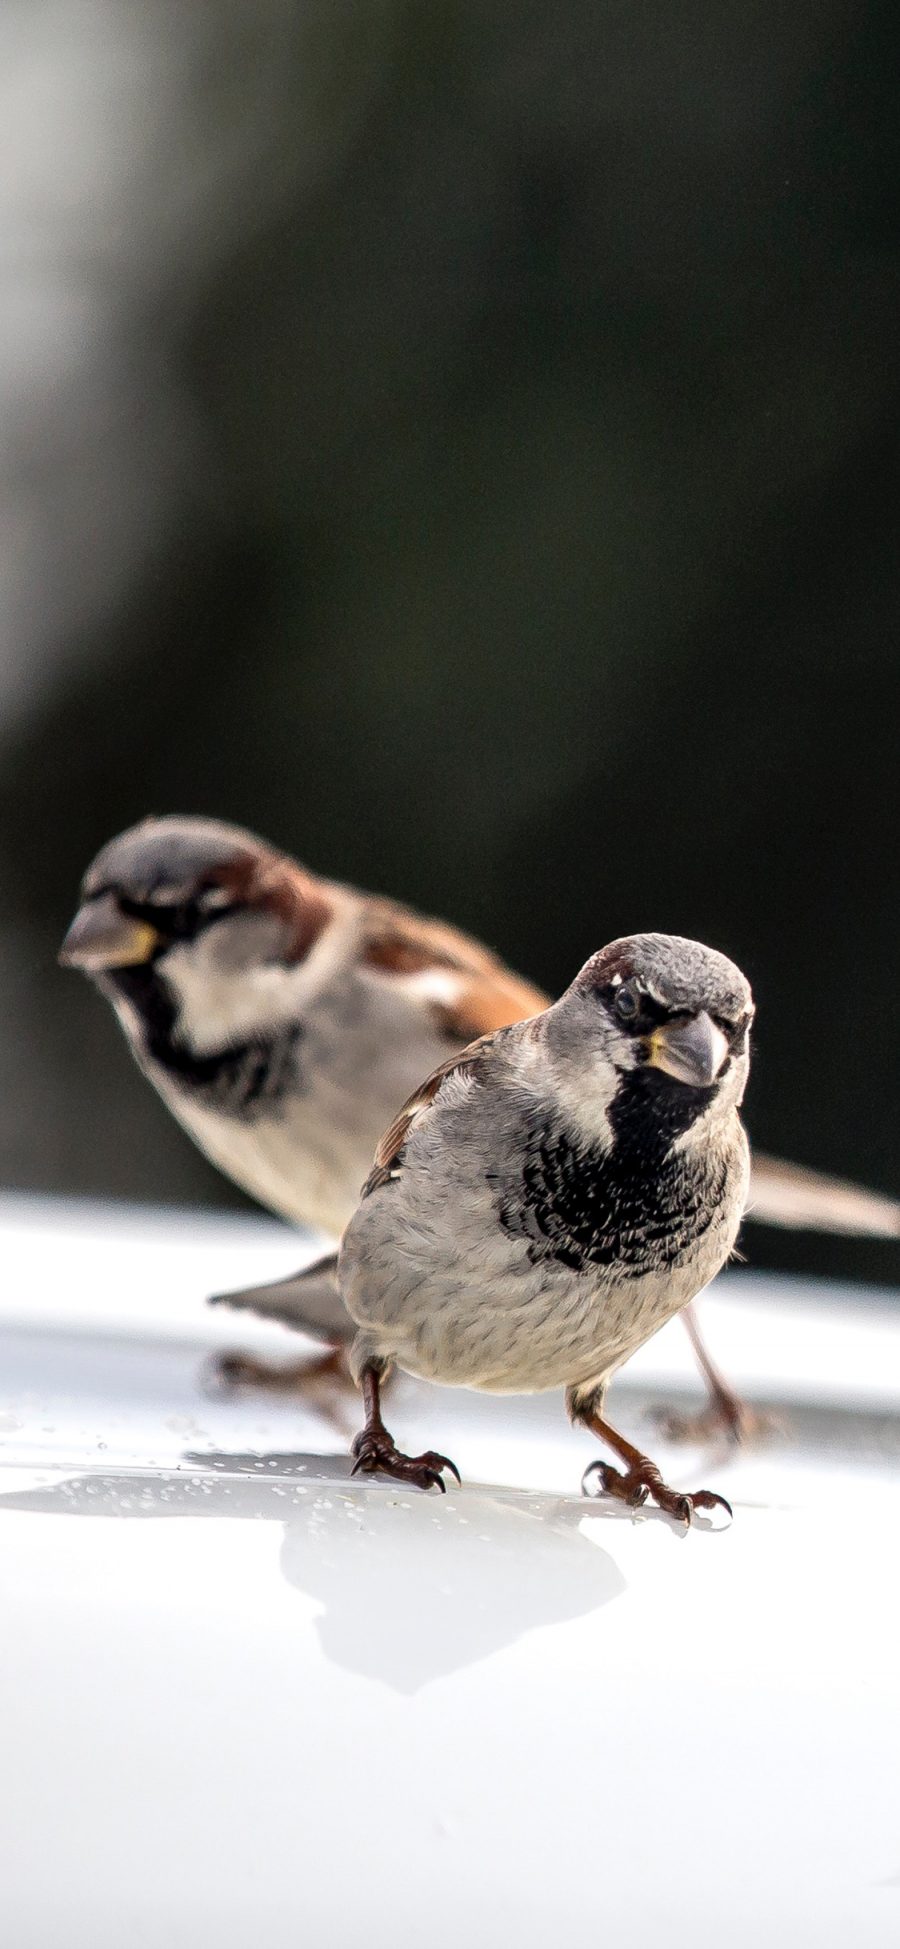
(552, 1195)
(283, 1018)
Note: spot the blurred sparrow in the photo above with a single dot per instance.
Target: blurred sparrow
(283, 1018)
(553, 1195)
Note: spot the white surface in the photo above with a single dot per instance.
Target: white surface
(248, 1703)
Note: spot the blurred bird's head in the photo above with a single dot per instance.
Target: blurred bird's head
(199, 910)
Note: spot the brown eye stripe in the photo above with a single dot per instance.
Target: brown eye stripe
(281, 887)
(614, 961)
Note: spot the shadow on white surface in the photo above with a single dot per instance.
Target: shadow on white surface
(413, 1587)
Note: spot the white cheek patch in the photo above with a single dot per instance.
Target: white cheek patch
(586, 1099)
(241, 945)
(228, 988)
(621, 1049)
(221, 1007)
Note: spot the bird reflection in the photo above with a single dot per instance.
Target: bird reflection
(411, 1587)
(481, 1571)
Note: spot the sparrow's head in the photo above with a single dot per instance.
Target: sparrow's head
(669, 1020)
(191, 905)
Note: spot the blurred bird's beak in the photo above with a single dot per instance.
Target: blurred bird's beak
(102, 937)
(692, 1051)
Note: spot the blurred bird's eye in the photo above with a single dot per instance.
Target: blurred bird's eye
(627, 1002)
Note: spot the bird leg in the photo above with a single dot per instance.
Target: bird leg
(641, 1477)
(300, 1376)
(324, 1383)
(724, 1413)
(375, 1452)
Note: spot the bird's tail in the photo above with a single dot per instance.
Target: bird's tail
(802, 1200)
(309, 1300)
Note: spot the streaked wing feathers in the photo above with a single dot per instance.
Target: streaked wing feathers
(387, 1156)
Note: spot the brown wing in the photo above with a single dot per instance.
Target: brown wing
(391, 1144)
(490, 996)
(801, 1200)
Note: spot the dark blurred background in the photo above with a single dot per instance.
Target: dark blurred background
(459, 440)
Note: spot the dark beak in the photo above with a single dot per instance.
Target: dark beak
(692, 1050)
(101, 936)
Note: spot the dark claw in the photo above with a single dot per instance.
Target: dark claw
(683, 1507)
(707, 1499)
(634, 1490)
(613, 1483)
(374, 1453)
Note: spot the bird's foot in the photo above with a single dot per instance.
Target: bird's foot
(727, 1417)
(375, 1452)
(323, 1384)
(634, 1485)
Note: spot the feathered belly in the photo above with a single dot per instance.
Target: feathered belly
(509, 1326)
(564, 1335)
(304, 1171)
(295, 1125)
